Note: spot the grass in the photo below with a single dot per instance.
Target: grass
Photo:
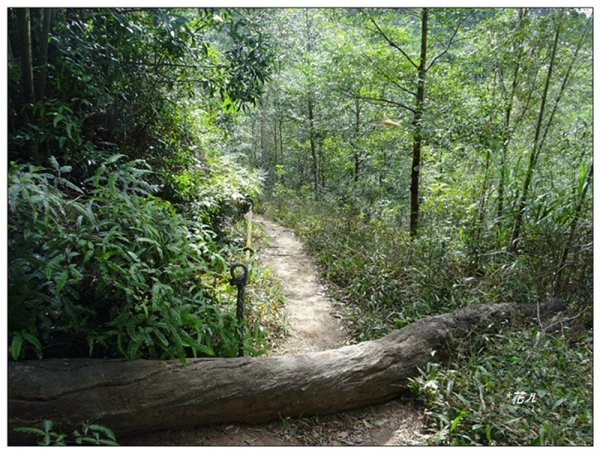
(523, 387)
(385, 280)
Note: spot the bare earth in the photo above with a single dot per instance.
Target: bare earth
(312, 325)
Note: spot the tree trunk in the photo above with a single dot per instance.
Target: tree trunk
(275, 157)
(264, 155)
(356, 154)
(41, 70)
(146, 395)
(281, 139)
(24, 26)
(313, 147)
(482, 200)
(418, 129)
(25, 52)
(506, 131)
(254, 143)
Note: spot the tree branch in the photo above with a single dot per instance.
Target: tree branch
(396, 83)
(393, 44)
(391, 80)
(381, 100)
(450, 41)
(387, 101)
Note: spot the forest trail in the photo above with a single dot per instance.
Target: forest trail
(312, 323)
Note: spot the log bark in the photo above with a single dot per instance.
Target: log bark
(146, 395)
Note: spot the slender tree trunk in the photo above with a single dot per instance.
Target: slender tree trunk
(506, 133)
(275, 158)
(322, 167)
(310, 105)
(418, 129)
(24, 26)
(313, 147)
(254, 142)
(25, 52)
(356, 155)
(535, 151)
(281, 139)
(41, 52)
(12, 114)
(483, 199)
(263, 145)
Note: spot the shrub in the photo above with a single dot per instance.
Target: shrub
(109, 269)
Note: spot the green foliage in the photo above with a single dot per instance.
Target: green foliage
(108, 269)
(483, 396)
(87, 434)
(388, 280)
(132, 80)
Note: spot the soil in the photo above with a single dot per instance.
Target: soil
(312, 322)
(312, 325)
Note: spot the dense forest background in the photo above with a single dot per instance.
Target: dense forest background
(430, 159)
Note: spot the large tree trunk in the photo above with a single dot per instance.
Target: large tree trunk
(146, 395)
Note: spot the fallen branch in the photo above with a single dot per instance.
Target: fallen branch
(145, 395)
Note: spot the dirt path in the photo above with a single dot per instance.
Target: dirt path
(311, 321)
(313, 325)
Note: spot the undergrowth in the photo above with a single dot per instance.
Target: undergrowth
(526, 387)
(86, 434)
(107, 269)
(387, 280)
(264, 300)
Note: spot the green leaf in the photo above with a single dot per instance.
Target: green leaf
(62, 281)
(488, 434)
(52, 264)
(47, 425)
(558, 403)
(103, 429)
(457, 420)
(115, 157)
(31, 339)
(57, 118)
(161, 337)
(16, 346)
(28, 430)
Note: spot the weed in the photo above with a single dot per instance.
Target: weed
(87, 434)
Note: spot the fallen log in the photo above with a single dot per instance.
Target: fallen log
(146, 395)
